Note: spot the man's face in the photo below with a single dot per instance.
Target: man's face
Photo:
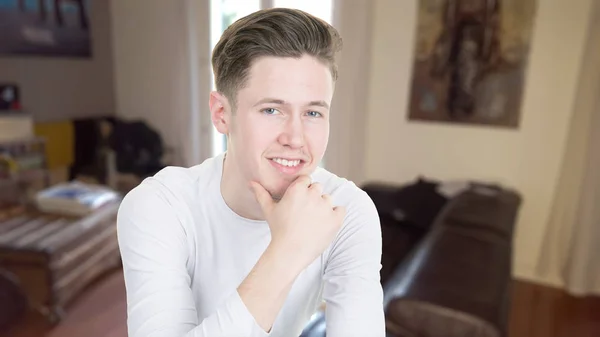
(280, 128)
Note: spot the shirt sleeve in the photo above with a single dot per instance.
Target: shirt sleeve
(154, 250)
(352, 290)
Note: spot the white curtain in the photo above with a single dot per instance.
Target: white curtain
(571, 255)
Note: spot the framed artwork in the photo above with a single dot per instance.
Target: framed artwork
(470, 61)
(45, 28)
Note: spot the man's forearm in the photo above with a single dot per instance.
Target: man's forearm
(266, 287)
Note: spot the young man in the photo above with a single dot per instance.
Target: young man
(252, 241)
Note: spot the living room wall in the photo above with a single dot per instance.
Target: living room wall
(527, 158)
(56, 88)
(154, 41)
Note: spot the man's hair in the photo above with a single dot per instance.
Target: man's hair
(279, 32)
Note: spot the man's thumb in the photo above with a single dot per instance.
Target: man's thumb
(262, 196)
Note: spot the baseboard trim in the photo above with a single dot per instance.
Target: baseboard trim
(541, 280)
(527, 274)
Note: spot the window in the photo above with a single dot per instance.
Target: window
(319, 8)
(224, 12)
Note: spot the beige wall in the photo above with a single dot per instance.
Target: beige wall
(148, 40)
(55, 88)
(155, 79)
(527, 159)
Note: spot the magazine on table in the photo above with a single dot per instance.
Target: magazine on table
(76, 198)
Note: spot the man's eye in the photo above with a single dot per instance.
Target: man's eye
(315, 114)
(270, 111)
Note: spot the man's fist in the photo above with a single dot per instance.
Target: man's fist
(304, 222)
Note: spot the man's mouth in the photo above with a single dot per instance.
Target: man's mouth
(287, 162)
(288, 166)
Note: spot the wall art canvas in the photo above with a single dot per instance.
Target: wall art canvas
(45, 28)
(470, 61)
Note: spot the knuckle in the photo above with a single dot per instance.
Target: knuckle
(317, 188)
(300, 181)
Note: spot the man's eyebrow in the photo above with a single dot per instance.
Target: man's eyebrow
(270, 100)
(282, 102)
(319, 103)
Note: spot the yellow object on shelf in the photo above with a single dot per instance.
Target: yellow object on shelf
(60, 142)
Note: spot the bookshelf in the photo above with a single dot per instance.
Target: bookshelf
(23, 168)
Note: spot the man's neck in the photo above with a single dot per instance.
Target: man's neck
(236, 192)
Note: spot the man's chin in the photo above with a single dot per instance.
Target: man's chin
(277, 194)
(277, 191)
(278, 186)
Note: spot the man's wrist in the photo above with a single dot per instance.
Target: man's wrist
(265, 289)
(283, 261)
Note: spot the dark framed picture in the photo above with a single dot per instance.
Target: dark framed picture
(470, 61)
(45, 28)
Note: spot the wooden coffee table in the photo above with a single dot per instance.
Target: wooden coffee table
(54, 257)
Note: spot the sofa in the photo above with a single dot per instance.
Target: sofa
(447, 258)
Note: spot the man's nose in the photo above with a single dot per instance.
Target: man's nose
(292, 134)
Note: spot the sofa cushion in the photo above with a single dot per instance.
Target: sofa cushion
(414, 204)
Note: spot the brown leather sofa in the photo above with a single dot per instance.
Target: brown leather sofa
(446, 264)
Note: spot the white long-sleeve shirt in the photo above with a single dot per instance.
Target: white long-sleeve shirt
(185, 252)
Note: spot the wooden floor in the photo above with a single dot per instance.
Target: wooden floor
(537, 312)
(100, 311)
(548, 312)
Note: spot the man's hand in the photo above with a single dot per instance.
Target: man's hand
(303, 223)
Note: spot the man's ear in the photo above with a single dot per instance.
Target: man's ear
(219, 111)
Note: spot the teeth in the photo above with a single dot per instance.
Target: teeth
(285, 162)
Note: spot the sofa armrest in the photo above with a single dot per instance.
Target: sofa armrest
(457, 281)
